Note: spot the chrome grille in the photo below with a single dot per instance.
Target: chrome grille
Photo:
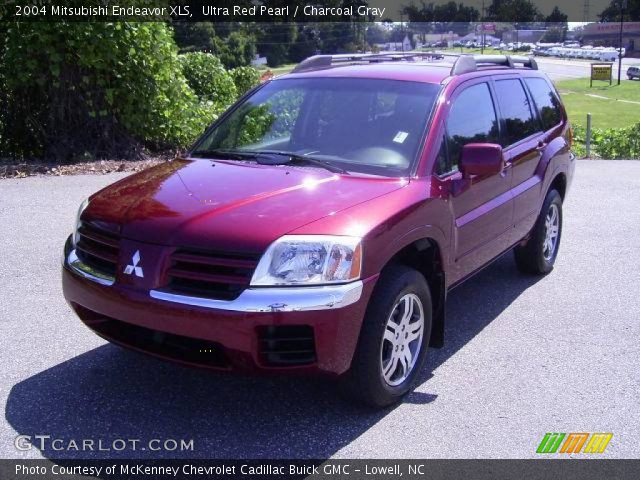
(214, 275)
(98, 249)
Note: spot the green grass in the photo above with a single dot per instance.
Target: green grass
(606, 112)
(279, 70)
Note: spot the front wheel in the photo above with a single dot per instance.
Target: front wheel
(393, 341)
(539, 254)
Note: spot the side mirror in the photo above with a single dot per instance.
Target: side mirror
(481, 159)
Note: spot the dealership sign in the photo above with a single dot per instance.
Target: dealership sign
(601, 71)
(611, 27)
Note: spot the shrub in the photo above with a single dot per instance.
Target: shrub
(3, 92)
(614, 143)
(208, 79)
(611, 143)
(578, 146)
(237, 50)
(245, 78)
(96, 89)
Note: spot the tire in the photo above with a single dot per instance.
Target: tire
(365, 382)
(537, 256)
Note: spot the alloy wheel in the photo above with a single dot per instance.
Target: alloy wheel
(402, 339)
(552, 227)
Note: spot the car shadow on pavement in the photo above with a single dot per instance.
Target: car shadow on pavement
(109, 393)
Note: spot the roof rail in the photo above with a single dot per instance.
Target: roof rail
(463, 63)
(326, 61)
(471, 63)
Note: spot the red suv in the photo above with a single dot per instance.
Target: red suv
(318, 225)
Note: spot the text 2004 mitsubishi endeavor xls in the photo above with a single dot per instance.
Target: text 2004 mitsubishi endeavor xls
(317, 226)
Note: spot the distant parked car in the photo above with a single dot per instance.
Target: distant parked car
(633, 72)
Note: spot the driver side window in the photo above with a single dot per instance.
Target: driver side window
(472, 119)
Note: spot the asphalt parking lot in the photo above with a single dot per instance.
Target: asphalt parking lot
(567, 69)
(523, 356)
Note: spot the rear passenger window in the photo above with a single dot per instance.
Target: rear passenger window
(516, 111)
(546, 101)
(472, 120)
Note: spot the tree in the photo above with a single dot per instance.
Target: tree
(197, 36)
(340, 37)
(553, 35)
(450, 16)
(556, 26)
(307, 43)
(513, 11)
(612, 12)
(376, 34)
(237, 50)
(274, 41)
(556, 16)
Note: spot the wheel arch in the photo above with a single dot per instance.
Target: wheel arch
(426, 256)
(559, 183)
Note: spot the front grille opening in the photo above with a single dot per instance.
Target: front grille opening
(176, 347)
(197, 288)
(221, 276)
(286, 345)
(98, 249)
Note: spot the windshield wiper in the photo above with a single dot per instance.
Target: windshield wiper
(221, 153)
(294, 157)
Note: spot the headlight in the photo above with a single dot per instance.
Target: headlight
(76, 225)
(310, 259)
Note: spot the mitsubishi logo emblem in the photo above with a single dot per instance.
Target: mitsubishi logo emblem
(134, 268)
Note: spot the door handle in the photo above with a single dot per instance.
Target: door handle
(541, 146)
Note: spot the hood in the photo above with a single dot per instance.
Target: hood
(227, 205)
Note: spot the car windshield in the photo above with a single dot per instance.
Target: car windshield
(372, 126)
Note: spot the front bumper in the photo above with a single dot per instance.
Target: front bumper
(230, 329)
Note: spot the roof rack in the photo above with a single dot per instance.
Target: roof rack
(463, 63)
(471, 63)
(326, 61)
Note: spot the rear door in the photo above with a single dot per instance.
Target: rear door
(523, 142)
(481, 205)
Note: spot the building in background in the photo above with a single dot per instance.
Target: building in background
(608, 35)
(523, 36)
(403, 46)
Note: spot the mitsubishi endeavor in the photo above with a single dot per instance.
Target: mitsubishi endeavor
(318, 224)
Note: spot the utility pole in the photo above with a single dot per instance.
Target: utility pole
(402, 33)
(585, 11)
(482, 29)
(623, 4)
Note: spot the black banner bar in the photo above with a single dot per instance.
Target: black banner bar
(566, 469)
(530, 12)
